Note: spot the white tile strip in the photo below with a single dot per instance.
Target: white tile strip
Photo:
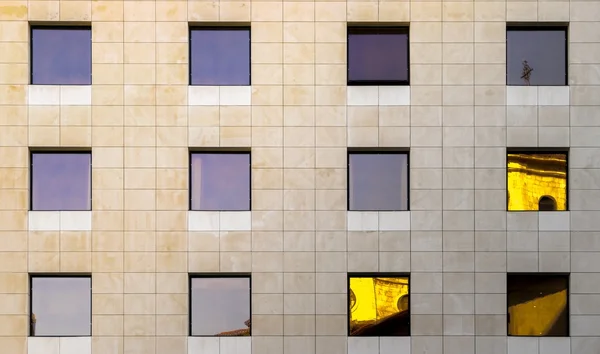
(76, 345)
(43, 345)
(549, 345)
(76, 95)
(203, 95)
(554, 221)
(44, 220)
(54, 95)
(235, 345)
(394, 95)
(235, 95)
(554, 95)
(394, 345)
(235, 220)
(364, 345)
(43, 95)
(203, 220)
(363, 221)
(363, 95)
(522, 345)
(394, 221)
(60, 220)
(521, 95)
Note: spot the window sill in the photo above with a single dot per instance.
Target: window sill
(378, 95)
(381, 345)
(59, 95)
(538, 95)
(524, 220)
(59, 345)
(60, 220)
(219, 95)
(219, 220)
(378, 220)
(221, 345)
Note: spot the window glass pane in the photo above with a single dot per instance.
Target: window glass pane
(537, 305)
(545, 53)
(220, 181)
(377, 57)
(220, 57)
(61, 305)
(61, 181)
(379, 306)
(536, 177)
(61, 56)
(378, 181)
(220, 306)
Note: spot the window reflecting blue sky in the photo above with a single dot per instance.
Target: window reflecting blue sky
(220, 57)
(378, 181)
(61, 181)
(377, 57)
(61, 56)
(220, 181)
(219, 305)
(62, 306)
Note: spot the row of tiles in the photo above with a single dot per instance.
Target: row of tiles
(212, 221)
(42, 95)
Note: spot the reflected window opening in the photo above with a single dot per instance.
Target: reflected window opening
(547, 203)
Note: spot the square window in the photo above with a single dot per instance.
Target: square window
(378, 56)
(538, 305)
(537, 181)
(220, 181)
(61, 55)
(60, 306)
(61, 181)
(378, 305)
(220, 305)
(536, 56)
(377, 181)
(220, 56)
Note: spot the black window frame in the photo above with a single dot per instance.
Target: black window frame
(377, 151)
(380, 28)
(566, 276)
(351, 275)
(30, 278)
(65, 151)
(540, 151)
(539, 27)
(213, 275)
(198, 26)
(62, 26)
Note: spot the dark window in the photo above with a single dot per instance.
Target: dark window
(537, 181)
(538, 304)
(220, 181)
(61, 306)
(220, 305)
(536, 56)
(61, 181)
(378, 56)
(377, 181)
(220, 56)
(547, 203)
(378, 305)
(61, 55)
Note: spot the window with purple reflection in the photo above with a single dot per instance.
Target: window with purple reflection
(220, 181)
(220, 306)
(61, 55)
(536, 56)
(60, 306)
(378, 56)
(377, 181)
(220, 56)
(61, 181)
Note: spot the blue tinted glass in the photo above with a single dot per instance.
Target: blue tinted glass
(545, 52)
(220, 181)
(377, 57)
(378, 181)
(61, 181)
(220, 57)
(61, 56)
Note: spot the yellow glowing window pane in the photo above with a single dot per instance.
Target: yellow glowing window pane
(379, 305)
(537, 177)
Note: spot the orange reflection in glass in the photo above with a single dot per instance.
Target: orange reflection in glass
(379, 306)
(537, 182)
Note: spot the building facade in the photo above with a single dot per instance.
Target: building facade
(299, 177)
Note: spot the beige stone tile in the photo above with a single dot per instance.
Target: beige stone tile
(395, 11)
(76, 262)
(76, 136)
(172, 32)
(426, 11)
(108, 31)
(330, 11)
(234, 11)
(172, 261)
(107, 10)
(41, 262)
(299, 95)
(13, 115)
(76, 11)
(171, 220)
(521, 11)
(107, 325)
(203, 262)
(171, 10)
(139, 32)
(14, 74)
(107, 241)
(235, 136)
(14, 283)
(297, 53)
(75, 241)
(203, 11)
(362, 11)
(14, 178)
(171, 178)
(13, 325)
(42, 10)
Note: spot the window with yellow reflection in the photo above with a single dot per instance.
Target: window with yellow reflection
(537, 181)
(378, 305)
(538, 305)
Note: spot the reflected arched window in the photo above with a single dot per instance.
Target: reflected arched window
(547, 203)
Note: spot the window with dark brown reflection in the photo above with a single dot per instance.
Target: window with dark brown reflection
(378, 305)
(60, 305)
(61, 181)
(220, 181)
(377, 181)
(61, 55)
(538, 304)
(535, 180)
(536, 56)
(378, 56)
(220, 305)
(220, 56)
